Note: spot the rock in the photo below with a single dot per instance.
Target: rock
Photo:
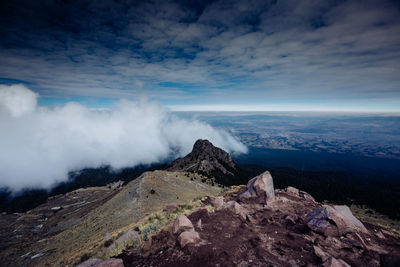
(235, 208)
(199, 225)
(188, 237)
(217, 202)
(171, 206)
(181, 224)
(89, 263)
(339, 219)
(390, 260)
(112, 262)
(320, 253)
(348, 215)
(55, 209)
(261, 186)
(37, 255)
(307, 196)
(333, 262)
(292, 190)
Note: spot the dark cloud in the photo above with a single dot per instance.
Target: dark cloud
(225, 51)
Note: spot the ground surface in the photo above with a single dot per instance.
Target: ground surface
(273, 235)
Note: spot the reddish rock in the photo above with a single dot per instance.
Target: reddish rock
(320, 220)
(188, 237)
(261, 186)
(181, 224)
(235, 208)
(217, 202)
(171, 206)
(333, 262)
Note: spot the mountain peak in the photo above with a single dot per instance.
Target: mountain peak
(208, 160)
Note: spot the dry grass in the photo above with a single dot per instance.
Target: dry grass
(138, 205)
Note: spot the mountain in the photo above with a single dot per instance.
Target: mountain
(184, 216)
(71, 226)
(210, 161)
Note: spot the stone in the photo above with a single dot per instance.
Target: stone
(181, 224)
(333, 262)
(235, 208)
(199, 224)
(349, 217)
(170, 207)
(292, 190)
(339, 219)
(188, 237)
(89, 263)
(261, 186)
(112, 262)
(320, 253)
(217, 202)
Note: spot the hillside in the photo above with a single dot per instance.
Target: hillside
(86, 216)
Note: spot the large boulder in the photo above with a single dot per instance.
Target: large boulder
(336, 220)
(188, 237)
(181, 224)
(260, 187)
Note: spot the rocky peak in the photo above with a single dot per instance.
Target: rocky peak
(208, 160)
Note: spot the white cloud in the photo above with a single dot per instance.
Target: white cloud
(40, 145)
(17, 99)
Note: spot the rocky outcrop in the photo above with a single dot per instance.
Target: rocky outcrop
(336, 220)
(243, 232)
(260, 187)
(208, 160)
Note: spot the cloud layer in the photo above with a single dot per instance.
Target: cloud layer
(227, 52)
(40, 145)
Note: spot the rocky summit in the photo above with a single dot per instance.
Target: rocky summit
(255, 225)
(208, 160)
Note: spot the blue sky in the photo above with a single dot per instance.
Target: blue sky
(201, 55)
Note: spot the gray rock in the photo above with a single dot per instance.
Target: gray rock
(320, 220)
(188, 237)
(260, 186)
(181, 224)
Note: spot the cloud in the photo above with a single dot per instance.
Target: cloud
(40, 145)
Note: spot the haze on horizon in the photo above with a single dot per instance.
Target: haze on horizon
(206, 55)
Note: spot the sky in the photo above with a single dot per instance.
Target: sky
(205, 55)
